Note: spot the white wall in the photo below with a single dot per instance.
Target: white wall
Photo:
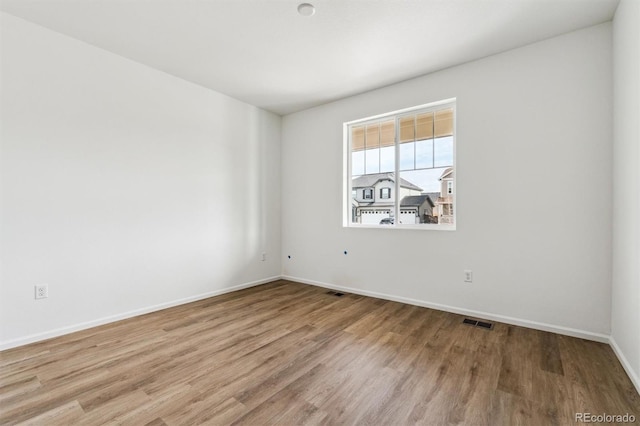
(535, 122)
(124, 188)
(625, 310)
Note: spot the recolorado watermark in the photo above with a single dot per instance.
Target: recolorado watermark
(604, 418)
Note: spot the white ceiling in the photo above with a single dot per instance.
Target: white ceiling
(264, 53)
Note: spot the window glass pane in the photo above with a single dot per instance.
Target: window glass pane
(407, 156)
(426, 180)
(414, 202)
(424, 154)
(357, 163)
(387, 159)
(372, 164)
(443, 152)
(418, 185)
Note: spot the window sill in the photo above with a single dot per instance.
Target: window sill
(425, 227)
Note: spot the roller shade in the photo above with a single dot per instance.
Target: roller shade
(426, 126)
(422, 126)
(372, 139)
(357, 138)
(407, 129)
(387, 133)
(444, 123)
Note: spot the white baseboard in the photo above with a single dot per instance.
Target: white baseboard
(625, 363)
(113, 318)
(588, 335)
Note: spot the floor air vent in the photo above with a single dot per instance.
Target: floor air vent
(485, 325)
(335, 293)
(482, 324)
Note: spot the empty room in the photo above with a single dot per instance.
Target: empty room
(312, 212)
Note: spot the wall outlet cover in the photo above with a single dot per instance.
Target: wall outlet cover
(42, 291)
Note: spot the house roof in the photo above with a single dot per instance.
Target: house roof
(416, 200)
(434, 196)
(367, 181)
(448, 171)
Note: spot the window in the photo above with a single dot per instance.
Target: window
(416, 145)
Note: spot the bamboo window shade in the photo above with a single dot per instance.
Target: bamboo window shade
(428, 125)
(378, 135)
(387, 133)
(444, 123)
(372, 139)
(407, 129)
(357, 138)
(424, 126)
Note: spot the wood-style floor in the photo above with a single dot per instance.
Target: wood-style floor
(287, 353)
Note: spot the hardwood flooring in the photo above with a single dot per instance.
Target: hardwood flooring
(287, 353)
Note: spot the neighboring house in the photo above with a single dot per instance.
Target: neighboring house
(417, 209)
(373, 198)
(444, 204)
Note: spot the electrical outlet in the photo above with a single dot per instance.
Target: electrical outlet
(468, 276)
(42, 291)
(264, 256)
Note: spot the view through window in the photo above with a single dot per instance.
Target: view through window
(418, 147)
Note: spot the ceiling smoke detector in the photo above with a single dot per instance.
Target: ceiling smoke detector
(306, 9)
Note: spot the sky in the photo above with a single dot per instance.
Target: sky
(421, 162)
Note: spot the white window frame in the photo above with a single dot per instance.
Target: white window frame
(346, 179)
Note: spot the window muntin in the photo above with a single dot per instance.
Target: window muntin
(418, 145)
